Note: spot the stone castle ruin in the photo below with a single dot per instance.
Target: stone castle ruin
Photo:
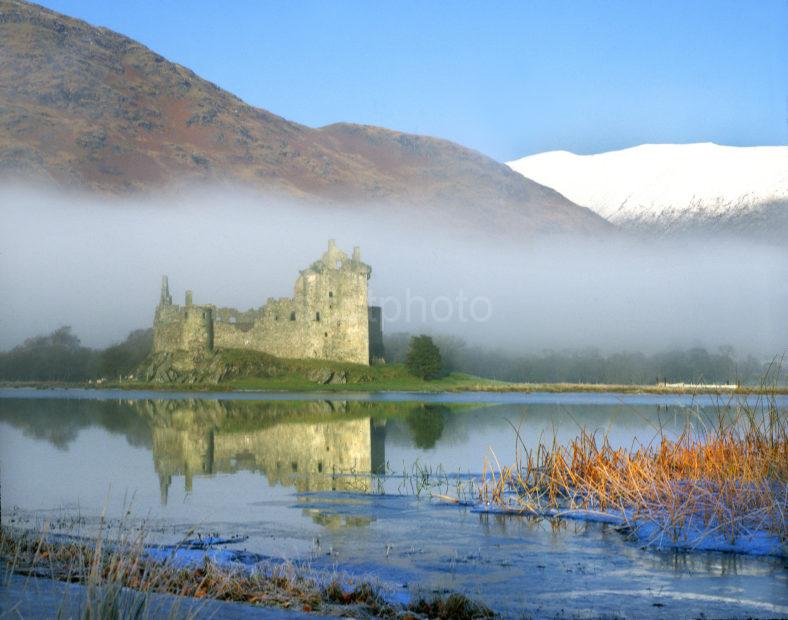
(328, 318)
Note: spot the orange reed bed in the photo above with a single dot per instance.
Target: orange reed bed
(721, 486)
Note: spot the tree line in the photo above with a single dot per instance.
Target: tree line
(60, 356)
(693, 365)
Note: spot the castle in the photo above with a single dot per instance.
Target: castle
(327, 318)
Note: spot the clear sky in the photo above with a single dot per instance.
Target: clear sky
(506, 78)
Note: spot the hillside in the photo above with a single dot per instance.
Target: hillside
(85, 107)
(674, 186)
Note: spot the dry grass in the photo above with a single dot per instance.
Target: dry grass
(120, 577)
(727, 479)
(452, 607)
(106, 568)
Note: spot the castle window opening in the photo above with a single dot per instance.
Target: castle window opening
(330, 293)
(320, 467)
(325, 334)
(292, 316)
(294, 466)
(317, 316)
(339, 264)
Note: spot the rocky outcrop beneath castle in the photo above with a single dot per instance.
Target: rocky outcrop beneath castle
(184, 367)
(219, 366)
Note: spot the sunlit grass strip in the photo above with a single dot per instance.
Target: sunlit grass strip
(727, 482)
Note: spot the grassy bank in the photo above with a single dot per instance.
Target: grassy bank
(460, 382)
(455, 382)
(397, 380)
(558, 388)
(235, 369)
(230, 369)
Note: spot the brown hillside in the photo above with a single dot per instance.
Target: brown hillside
(86, 107)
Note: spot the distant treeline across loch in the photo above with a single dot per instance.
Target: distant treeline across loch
(61, 357)
(693, 365)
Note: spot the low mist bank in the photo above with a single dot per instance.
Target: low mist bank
(96, 265)
(61, 357)
(695, 365)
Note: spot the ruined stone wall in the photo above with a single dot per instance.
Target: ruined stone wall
(327, 317)
(197, 330)
(183, 328)
(167, 327)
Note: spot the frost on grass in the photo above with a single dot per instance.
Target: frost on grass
(721, 486)
(201, 568)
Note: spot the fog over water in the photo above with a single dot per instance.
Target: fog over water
(96, 264)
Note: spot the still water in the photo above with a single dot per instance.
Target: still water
(335, 484)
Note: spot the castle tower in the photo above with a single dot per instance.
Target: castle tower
(197, 328)
(166, 321)
(166, 298)
(332, 297)
(181, 328)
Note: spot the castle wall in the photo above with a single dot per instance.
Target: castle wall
(197, 329)
(327, 318)
(376, 351)
(183, 328)
(167, 328)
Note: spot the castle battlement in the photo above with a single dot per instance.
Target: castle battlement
(328, 317)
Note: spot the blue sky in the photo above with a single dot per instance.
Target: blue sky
(506, 78)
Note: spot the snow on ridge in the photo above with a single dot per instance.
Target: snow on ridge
(665, 183)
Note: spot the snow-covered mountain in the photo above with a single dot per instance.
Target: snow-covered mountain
(673, 186)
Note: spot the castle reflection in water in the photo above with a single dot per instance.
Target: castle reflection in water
(313, 446)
